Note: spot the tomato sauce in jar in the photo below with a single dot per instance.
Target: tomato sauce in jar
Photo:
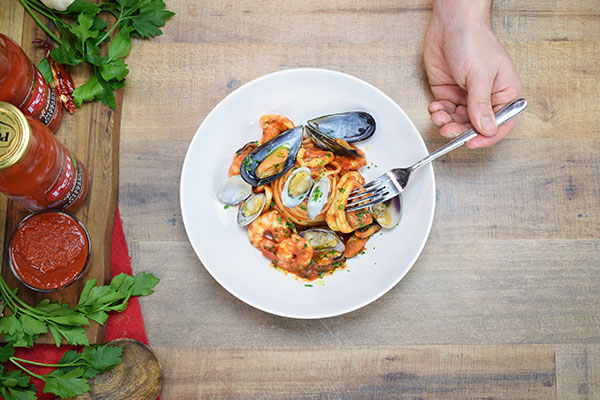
(36, 170)
(49, 250)
(23, 85)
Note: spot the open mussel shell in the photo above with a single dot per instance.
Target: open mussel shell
(234, 190)
(338, 146)
(251, 208)
(317, 198)
(324, 240)
(350, 126)
(273, 158)
(297, 187)
(387, 214)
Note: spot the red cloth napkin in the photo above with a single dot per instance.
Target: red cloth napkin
(127, 324)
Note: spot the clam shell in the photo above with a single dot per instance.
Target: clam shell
(234, 190)
(291, 199)
(318, 196)
(389, 213)
(251, 208)
(323, 240)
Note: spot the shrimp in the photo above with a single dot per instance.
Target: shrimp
(294, 252)
(273, 125)
(234, 168)
(349, 163)
(359, 219)
(267, 231)
(355, 245)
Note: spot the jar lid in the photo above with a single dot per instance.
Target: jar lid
(15, 135)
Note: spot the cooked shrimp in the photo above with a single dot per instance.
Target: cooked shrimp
(273, 125)
(355, 245)
(266, 231)
(294, 252)
(351, 163)
(234, 168)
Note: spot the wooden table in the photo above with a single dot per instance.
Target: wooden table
(504, 301)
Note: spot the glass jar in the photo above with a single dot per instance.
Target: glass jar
(36, 170)
(23, 85)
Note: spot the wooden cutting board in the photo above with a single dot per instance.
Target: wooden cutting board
(92, 133)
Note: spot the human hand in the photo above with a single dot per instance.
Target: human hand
(470, 73)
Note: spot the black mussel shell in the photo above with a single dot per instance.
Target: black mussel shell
(327, 143)
(290, 139)
(350, 126)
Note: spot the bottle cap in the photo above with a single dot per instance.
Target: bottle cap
(15, 135)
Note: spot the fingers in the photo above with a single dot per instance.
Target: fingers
(481, 141)
(479, 89)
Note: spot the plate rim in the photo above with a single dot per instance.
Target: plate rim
(384, 289)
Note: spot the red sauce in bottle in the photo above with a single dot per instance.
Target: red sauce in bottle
(23, 85)
(36, 170)
(49, 250)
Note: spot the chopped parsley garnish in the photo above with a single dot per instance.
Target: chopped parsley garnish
(317, 194)
(226, 206)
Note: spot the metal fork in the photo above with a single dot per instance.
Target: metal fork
(393, 182)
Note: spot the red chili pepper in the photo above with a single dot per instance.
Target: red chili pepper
(62, 77)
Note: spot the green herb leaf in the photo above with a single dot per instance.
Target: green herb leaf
(66, 385)
(83, 7)
(151, 16)
(44, 67)
(105, 358)
(6, 352)
(81, 28)
(89, 91)
(120, 46)
(114, 70)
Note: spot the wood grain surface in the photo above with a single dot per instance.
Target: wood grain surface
(92, 134)
(503, 303)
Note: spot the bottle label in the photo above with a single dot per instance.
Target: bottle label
(39, 95)
(69, 185)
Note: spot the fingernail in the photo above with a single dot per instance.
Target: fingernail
(489, 125)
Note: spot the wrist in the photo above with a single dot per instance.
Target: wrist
(462, 14)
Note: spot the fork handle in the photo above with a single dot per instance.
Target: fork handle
(505, 114)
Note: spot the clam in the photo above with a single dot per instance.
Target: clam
(234, 190)
(325, 241)
(251, 208)
(334, 132)
(296, 188)
(388, 213)
(317, 199)
(273, 158)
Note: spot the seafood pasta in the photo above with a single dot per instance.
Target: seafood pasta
(293, 185)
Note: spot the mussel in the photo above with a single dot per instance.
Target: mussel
(234, 190)
(273, 158)
(388, 214)
(326, 242)
(251, 208)
(318, 196)
(334, 132)
(296, 188)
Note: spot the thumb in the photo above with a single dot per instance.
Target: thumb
(479, 106)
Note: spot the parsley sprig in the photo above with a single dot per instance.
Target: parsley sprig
(81, 41)
(26, 323)
(68, 379)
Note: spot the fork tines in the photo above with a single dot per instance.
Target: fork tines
(376, 191)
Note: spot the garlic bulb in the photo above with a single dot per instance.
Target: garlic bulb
(59, 5)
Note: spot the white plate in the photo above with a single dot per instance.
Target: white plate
(223, 246)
